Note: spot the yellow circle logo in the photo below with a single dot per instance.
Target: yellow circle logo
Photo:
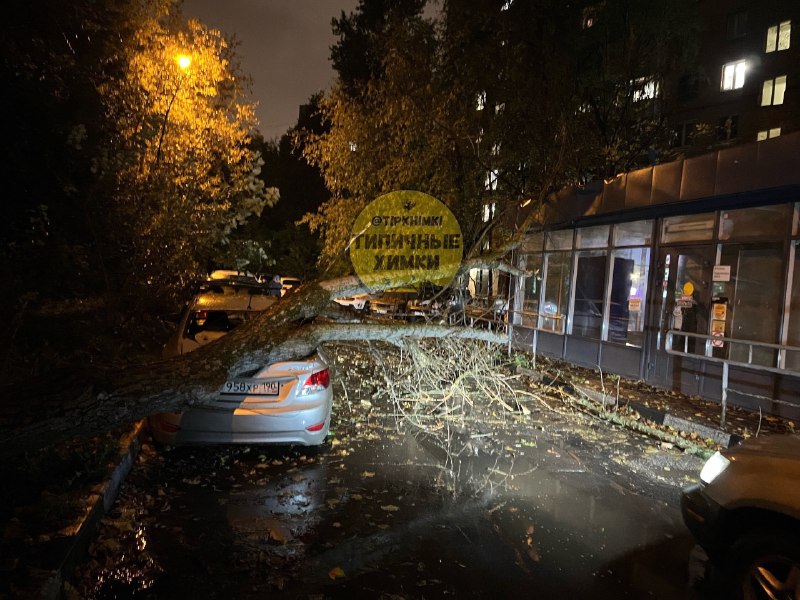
(406, 238)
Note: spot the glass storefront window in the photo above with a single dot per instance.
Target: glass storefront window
(638, 233)
(590, 284)
(756, 290)
(756, 222)
(555, 299)
(628, 295)
(559, 240)
(533, 242)
(531, 289)
(592, 237)
(688, 228)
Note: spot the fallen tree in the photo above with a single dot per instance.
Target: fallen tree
(95, 401)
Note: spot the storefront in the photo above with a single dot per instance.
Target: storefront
(706, 246)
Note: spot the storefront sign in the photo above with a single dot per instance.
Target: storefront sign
(722, 273)
(717, 331)
(686, 301)
(719, 311)
(634, 305)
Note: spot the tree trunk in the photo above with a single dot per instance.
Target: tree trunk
(91, 403)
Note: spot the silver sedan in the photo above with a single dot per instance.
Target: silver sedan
(282, 403)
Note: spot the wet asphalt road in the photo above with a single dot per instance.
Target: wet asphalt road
(545, 506)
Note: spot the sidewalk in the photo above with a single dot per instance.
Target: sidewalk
(691, 417)
(40, 569)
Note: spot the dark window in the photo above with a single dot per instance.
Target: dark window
(737, 25)
(590, 282)
(688, 88)
(683, 134)
(727, 128)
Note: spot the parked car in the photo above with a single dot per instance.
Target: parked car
(745, 513)
(357, 302)
(392, 303)
(429, 303)
(286, 402)
(288, 284)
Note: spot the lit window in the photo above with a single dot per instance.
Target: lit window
(353, 146)
(767, 134)
(507, 4)
(645, 89)
(496, 149)
(491, 180)
(779, 37)
(773, 91)
(733, 75)
(480, 104)
(499, 107)
(488, 212)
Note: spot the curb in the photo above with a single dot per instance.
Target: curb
(660, 417)
(53, 581)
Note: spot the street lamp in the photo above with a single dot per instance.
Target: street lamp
(184, 62)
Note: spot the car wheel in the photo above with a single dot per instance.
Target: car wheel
(765, 564)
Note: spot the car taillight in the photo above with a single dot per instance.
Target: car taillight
(316, 382)
(317, 427)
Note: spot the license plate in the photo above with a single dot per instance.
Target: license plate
(252, 388)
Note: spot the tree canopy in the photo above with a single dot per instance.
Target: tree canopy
(491, 105)
(136, 164)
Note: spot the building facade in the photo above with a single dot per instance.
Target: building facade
(707, 246)
(749, 73)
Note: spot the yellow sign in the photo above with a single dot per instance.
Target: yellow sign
(719, 311)
(688, 288)
(405, 238)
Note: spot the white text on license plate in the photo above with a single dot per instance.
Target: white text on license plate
(252, 388)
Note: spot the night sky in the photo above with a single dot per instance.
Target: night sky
(284, 47)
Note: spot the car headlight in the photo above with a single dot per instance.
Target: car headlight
(713, 468)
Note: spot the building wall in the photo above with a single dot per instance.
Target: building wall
(734, 30)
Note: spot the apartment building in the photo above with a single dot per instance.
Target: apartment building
(686, 274)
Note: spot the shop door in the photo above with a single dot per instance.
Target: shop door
(681, 301)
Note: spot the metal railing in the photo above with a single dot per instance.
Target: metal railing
(704, 351)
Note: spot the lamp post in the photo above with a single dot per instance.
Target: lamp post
(184, 62)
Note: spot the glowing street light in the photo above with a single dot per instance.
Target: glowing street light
(184, 61)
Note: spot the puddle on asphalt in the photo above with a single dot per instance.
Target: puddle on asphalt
(383, 514)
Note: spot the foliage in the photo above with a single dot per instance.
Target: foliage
(488, 106)
(184, 173)
(130, 172)
(54, 56)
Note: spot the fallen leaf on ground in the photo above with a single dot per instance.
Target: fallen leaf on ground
(336, 573)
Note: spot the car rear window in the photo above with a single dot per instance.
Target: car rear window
(214, 320)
